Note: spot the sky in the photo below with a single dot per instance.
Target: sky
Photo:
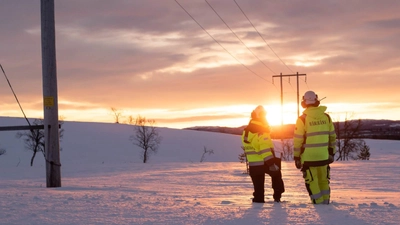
(205, 63)
(103, 181)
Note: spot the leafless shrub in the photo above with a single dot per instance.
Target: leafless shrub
(206, 151)
(146, 136)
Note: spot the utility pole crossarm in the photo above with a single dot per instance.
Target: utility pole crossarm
(32, 127)
(289, 75)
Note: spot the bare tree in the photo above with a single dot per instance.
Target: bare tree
(130, 120)
(206, 151)
(146, 136)
(243, 159)
(34, 139)
(348, 140)
(2, 151)
(117, 114)
(362, 152)
(287, 149)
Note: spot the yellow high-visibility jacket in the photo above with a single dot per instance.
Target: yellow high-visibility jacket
(257, 143)
(314, 137)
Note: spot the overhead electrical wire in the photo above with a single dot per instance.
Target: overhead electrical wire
(262, 36)
(238, 37)
(14, 95)
(241, 41)
(220, 43)
(305, 81)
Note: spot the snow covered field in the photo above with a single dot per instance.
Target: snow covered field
(104, 182)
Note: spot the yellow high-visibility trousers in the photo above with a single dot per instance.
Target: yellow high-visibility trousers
(317, 183)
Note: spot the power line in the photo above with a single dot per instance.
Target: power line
(238, 37)
(290, 75)
(265, 41)
(220, 43)
(9, 84)
(305, 81)
(262, 36)
(290, 84)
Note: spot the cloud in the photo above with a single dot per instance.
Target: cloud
(152, 54)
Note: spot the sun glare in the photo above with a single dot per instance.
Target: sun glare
(276, 115)
(224, 116)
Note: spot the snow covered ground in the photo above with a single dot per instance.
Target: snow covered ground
(104, 182)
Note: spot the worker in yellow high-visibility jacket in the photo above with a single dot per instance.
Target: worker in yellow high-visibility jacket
(314, 147)
(259, 151)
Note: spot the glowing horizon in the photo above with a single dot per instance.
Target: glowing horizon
(162, 65)
(229, 116)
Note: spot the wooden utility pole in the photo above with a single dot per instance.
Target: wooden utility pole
(50, 97)
(298, 96)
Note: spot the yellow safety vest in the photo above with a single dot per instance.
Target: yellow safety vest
(257, 143)
(314, 135)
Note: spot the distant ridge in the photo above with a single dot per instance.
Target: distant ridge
(371, 129)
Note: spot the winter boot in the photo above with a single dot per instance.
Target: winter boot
(277, 197)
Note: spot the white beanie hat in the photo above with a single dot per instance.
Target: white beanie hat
(259, 111)
(310, 98)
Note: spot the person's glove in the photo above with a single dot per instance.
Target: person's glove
(297, 163)
(330, 151)
(273, 168)
(331, 159)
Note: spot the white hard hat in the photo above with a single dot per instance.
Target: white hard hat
(310, 98)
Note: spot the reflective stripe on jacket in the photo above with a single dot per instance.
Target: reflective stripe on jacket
(257, 143)
(313, 136)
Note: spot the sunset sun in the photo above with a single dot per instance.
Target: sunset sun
(275, 114)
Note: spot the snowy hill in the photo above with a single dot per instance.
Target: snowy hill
(104, 182)
(97, 142)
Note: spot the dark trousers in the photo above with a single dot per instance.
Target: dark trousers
(276, 179)
(277, 184)
(257, 174)
(258, 184)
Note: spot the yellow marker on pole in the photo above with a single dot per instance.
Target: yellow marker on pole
(48, 101)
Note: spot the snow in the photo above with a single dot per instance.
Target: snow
(105, 182)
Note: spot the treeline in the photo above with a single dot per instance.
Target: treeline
(368, 129)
